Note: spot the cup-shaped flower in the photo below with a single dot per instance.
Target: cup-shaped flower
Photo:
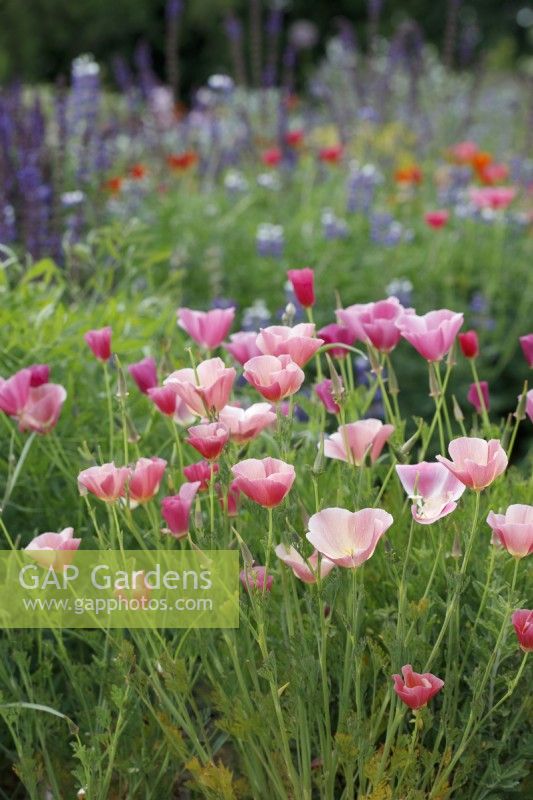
(209, 439)
(514, 529)
(378, 323)
(416, 689)
(274, 377)
(433, 489)
(303, 285)
(176, 510)
(473, 396)
(475, 462)
(299, 342)
(144, 373)
(337, 334)
(145, 479)
(242, 346)
(100, 342)
(354, 441)
(164, 398)
(348, 538)
(54, 550)
(324, 390)
(207, 328)
(229, 500)
(432, 334)
(253, 579)
(495, 197)
(206, 389)
(350, 318)
(306, 570)
(43, 407)
(201, 472)
(266, 481)
(40, 373)
(107, 482)
(15, 392)
(437, 219)
(245, 424)
(469, 344)
(526, 343)
(523, 625)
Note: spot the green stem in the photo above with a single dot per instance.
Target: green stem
(109, 409)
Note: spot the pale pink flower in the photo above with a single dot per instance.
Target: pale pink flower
(209, 439)
(245, 424)
(274, 377)
(42, 410)
(493, 197)
(416, 689)
(378, 323)
(205, 390)
(14, 392)
(529, 404)
(433, 489)
(352, 442)
(266, 481)
(107, 482)
(350, 318)
(473, 396)
(337, 334)
(299, 342)
(324, 390)
(54, 550)
(523, 624)
(305, 570)
(145, 479)
(242, 346)
(475, 462)
(253, 579)
(207, 328)
(432, 334)
(514, 529)
(348, 538)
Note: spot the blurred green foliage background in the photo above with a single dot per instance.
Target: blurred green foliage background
(39, 38)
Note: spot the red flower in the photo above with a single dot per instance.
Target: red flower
(137, 172)
(469, 344)
(271, 157)
(113, 185)
(411, 175)
(330, 155)
(182, 161)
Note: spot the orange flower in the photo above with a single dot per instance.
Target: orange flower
(113, 185)
(137, 172)
(182, 161)
(411, 175)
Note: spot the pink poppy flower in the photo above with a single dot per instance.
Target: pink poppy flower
(469, 344)
(350, 319)
(100, 342)
(432, 334)
(306, 571)
(523, 625)
(274, 378)
(201, 472)
(473, 396)
(266, 481)
(54, 550)
(362, 437)
(40, 374)
(144, 373)
(271, 157)
(433, 489)
(229, 502)
(496, 198)
(416, 689)
(43, 407)
(107, 482)
(303, 285)
(475, 462)
(145, 479)
(242, 346)
(526, 343)
(176, 510)
(325, 394)
(436, 219)
(169, 404)
(378, 322)
(207, 328)
(337, 334)
(513, 530)
(464, 152)
(253, 579)
(298, 342)
(209, 439)
(14, 393)
(206, 389)
(245, 424)
(348, 538)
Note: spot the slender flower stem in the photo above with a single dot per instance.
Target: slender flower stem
(269, 546)
(109, 409)
(437, 411)
(457, 591)
(484, 411)
(12, 481)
